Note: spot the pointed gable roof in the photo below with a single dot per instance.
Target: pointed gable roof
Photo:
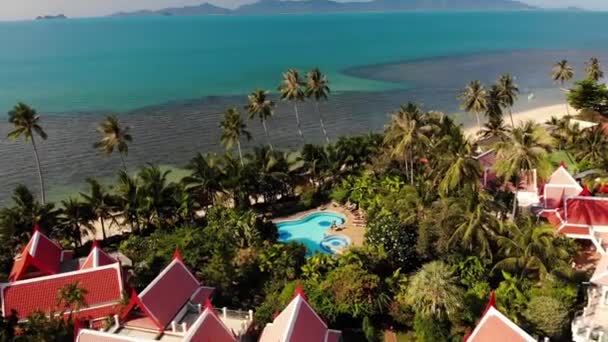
(97, 257)
(561, 184)
(164, 297)
(209, 327)
(496, 327)
(41, 253)
(298, 323)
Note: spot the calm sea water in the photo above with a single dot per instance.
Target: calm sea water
(169, 77)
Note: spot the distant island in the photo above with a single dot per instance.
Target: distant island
(51, 17)
(329, 6)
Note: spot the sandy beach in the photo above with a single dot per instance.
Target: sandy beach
(540, 115)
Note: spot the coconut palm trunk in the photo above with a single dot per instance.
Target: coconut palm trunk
(40, 178)
(321, 121)
(514, 211)
(103, 228)
(122, 161)
(295, 108)
(511, 116)
(267, 136)
(238, 145)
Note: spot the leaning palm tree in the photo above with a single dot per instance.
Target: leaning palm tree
(473, 99)
(562, 72)
(507, 93)
(27, 124)
(291, 90)
(114, 137)
(593, 69)
(433, 291)
(524, 150)
(233, 128)
(317, 87)
(260, 106)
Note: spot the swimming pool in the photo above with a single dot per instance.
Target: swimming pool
(310, 230)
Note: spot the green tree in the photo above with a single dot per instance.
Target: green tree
(524, 150)
(588, 94)
(461, 169)
(473, 99)
(592, 147)
(233, 128)
(317, 88)
(398, 240)
(593, 69)
(548, 316)
(205, 180)
(72, 297)
(100, 202)
(434, 292)
(562, 72)
(494, 128)
(75, 217)
(26, 123)
(508, 91)
(291, 90)
(114, 137)
(261, 107)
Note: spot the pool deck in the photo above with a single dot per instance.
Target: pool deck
(354, 228)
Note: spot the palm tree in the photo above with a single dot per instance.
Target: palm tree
(473, 99)
(562, 72)
(494, 128)
(524, 150)
(530, 250)
(593, 69)
(462, 170)
(508, 91)
(114, 137)
(75, 217)
(205, 179)
(233, 127)
(291, 90)
(72, 296)
(433, 291)
(494, 103)
(317, 87)
(128, 198)
(259, 105)
(27, 124)
(157, 196)
(100, 202)
(592, 147)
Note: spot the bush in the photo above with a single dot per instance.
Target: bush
(397, 239)
(430, 330)
(547, 316)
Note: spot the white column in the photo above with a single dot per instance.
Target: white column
(250, 315)
(173, 326)
(224, 312)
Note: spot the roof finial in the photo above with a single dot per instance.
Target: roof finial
(491, 302)
(95, 244)
(177, 255)
(208, 304)
(585, 191)
(299, 291)
(563, 164)
(36, 228)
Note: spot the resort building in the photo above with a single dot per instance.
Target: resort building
(592, 323)
(299, 322)
(43, 268)
(175, 306)
(573, 211)
(496, 327)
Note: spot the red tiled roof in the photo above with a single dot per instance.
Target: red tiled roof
(496, 327)
(298, 323)
(209, 327)
(97, 257)
(40, 253)
(574, 230)
(103, 285)
(590, 211)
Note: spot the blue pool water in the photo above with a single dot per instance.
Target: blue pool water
(310, 230)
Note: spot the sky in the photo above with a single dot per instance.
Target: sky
(27, 9)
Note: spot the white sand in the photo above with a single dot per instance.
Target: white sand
(540, 115)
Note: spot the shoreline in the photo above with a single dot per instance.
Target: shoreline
(540, 115)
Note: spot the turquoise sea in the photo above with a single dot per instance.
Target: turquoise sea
(170, 77)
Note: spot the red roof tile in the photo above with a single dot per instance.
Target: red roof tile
(209, 327)
(574, 230)
(40, 253)
(590, 211)
(103, 285)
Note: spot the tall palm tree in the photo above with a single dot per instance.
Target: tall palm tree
(157, 196)
(434, 292)
(592, 147)
(562, 72)
(473, 99)
(27, 124)
(524, 150)
(75, 218)
(233, 127)
(508, 91)
(291, 90)
(494, 103)
(205, 179)
(317, 87)
(128, 198)
(593, 69)
(100, 202)
(461, 170)
(260, 106)
(114, 137)
(494, 128)
(529, 250)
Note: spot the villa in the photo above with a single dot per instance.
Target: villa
(592, 323)
(43, 268)
(496, 327)
(175, 306)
